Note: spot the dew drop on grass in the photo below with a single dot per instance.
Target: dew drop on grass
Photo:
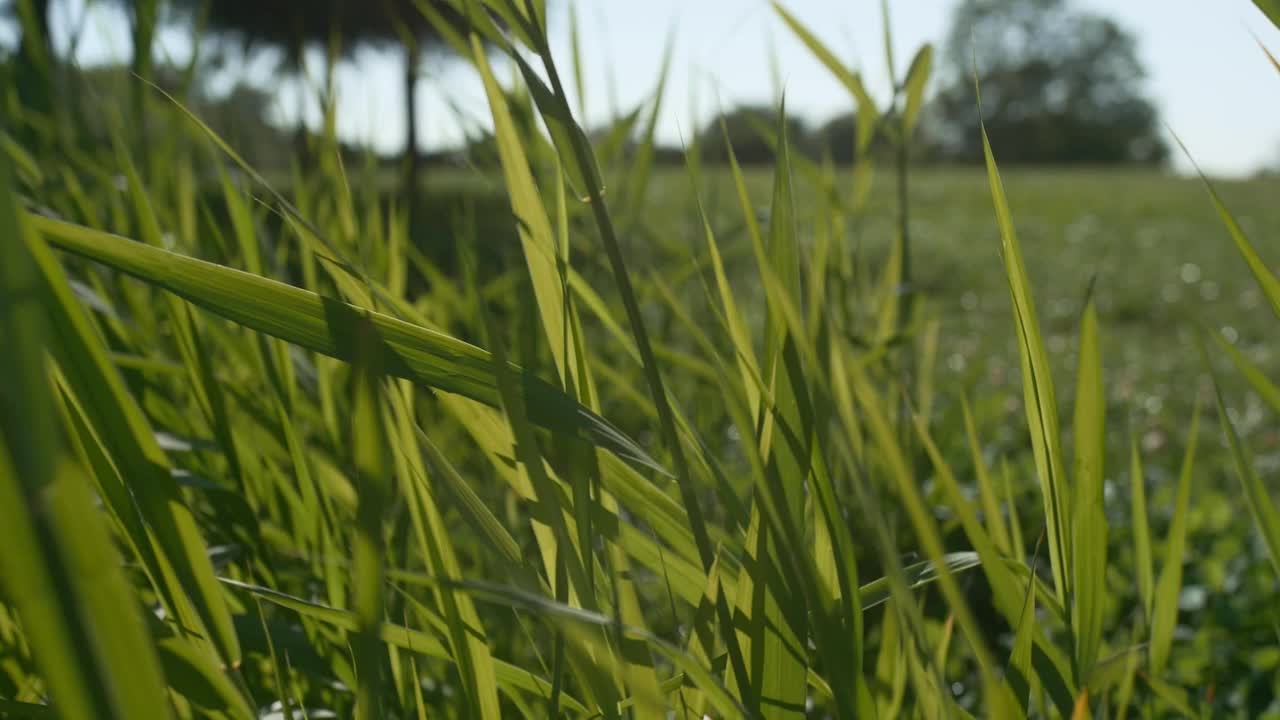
(1229, 334)
(1209, 291)
(1190, 273)
(1192, 598)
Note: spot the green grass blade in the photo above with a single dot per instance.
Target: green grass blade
(327, 327)
(370, 453)
(1267, 280)
(1270, 8)
(915, 83)
(1164, 615)
(187, 585)
(59, 567)
(1089, 520)
(823, 54)
(511, 677)
(1257, 496)
(1007, 592)
(532, 223)
(924, 525)
(1143, 567)
(1037, 383)
(996, 526)
(1274, 62)
(1263, 385)
(469, 642)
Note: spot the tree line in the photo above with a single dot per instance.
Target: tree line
(1058, 84)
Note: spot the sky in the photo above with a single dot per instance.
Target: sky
(1214, 86)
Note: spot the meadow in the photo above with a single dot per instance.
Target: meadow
(605, 439)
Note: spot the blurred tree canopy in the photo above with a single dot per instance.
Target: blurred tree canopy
(749, 129)
(1059, 85)
(338, 27)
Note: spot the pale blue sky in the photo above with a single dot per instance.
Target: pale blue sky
(1214, 85)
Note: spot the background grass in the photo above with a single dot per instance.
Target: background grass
(705, 443)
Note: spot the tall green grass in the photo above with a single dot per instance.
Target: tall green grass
(259, 451)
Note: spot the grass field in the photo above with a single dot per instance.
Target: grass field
(586, 438)
(1148, 245)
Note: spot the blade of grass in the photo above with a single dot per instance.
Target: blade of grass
(1266, 389)
(187, 585)
(1141, 531)
(59, 567)
(1267, 280)
(1169, 585)
(326, 326)
(1256, 494)
(1089, 520)
(512, 678)
(986, 487)
(1037, 382)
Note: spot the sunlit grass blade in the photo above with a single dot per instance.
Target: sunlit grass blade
(868, 114)
(1274, 62)
(370, 453)
(59, 568)
(184, 575)
(1089, 519)
(469, 643)
(327, 326)
(582, 157)
(532, 223)
(1164, 615)
(996, 526)
(926, 530)
(1263, 385)
(725, 705)
(640, 171)
(914, 84)
(1267, 279)
(1037, 383)
(1258, 497)
(1143, 568)
(1270, 8)
(511, 677)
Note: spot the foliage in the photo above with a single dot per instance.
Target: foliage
(750, 130)
(1059, 85)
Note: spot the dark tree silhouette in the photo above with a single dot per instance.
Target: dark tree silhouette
(32, 64)
(749, 129)
(338, 26)
(1058, 86)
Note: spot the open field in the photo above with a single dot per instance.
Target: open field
(578, 436)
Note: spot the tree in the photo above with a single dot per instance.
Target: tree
(338, 26)
(749, 129)
(31, 65)
(1058, 86)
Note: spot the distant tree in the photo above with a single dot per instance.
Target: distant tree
(33, 67)
(1058, 85)
(837, 138)
(238, 114)
(337, 26)
(31, 64)
(749, 128)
